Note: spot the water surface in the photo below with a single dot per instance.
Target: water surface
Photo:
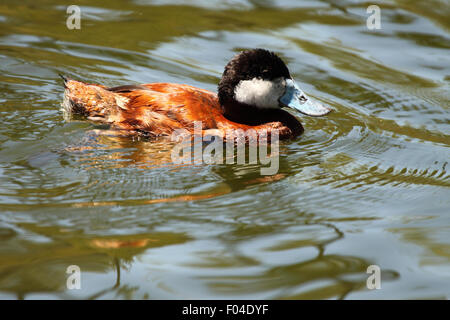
(368, 184)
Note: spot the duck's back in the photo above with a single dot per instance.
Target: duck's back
(156, 108)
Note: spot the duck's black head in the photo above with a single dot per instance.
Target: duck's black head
(258, 78)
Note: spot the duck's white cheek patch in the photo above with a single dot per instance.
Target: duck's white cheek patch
(260, 93)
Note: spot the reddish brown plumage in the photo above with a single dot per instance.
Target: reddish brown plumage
(158, 109)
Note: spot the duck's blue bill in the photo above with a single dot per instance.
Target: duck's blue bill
(296, 99)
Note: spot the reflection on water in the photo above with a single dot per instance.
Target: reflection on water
(368, 184)
(34, 266)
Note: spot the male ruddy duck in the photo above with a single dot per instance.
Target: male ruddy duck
(255, 85)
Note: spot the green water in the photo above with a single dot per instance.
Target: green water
(367, 184)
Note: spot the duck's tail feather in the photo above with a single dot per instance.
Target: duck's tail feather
(91, 100)
(65, 79)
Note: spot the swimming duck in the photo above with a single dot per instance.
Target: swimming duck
(255, 86)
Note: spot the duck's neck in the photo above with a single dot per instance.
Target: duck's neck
(253, 116)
